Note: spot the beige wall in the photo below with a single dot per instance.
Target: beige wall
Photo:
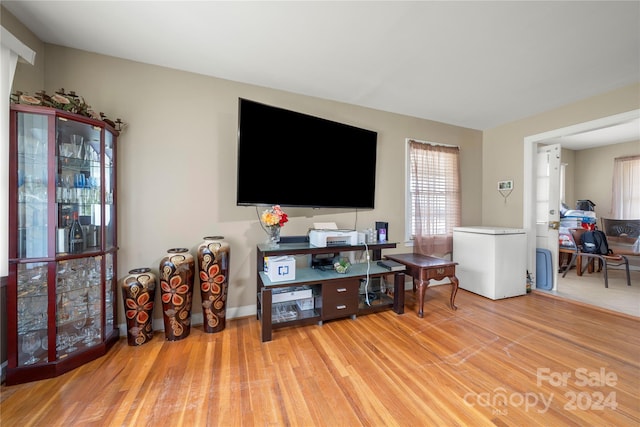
(503, 149)
(28, 78)
(177, 156)
(593, 175)
(177, 161)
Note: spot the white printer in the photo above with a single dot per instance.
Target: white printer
(322, 238)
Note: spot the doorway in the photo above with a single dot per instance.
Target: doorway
(531, 146)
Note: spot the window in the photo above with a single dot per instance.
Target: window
(563, 182)
(626, 188)
(433, 196)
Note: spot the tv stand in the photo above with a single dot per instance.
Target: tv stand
(334, 295)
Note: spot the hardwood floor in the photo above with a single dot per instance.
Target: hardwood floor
(488, 363)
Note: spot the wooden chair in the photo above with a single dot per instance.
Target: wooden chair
(621, 227)
(603, 260)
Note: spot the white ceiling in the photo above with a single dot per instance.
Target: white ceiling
(475, 64)
(624, 131)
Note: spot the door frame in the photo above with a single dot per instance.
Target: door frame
(546, 236)
(530, 150)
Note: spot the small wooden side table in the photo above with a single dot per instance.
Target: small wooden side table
(424, 268)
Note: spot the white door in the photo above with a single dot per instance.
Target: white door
(548, 202)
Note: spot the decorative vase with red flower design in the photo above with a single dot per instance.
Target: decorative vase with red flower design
(138, 293)
(176, 287)
(213, 266)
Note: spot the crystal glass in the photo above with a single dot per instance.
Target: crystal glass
(80, 318)
(30, 343)
(77, 142)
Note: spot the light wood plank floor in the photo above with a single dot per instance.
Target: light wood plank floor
(525, 361)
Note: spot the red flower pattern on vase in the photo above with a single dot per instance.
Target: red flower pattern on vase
(138, 292)
(213, 263)
(211, 279)
(138, 308)
(176, 286)
(173, 290)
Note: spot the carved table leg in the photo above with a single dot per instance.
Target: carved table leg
(422, 288)
(454, 291)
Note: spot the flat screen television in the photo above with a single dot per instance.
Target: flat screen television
(294, 159)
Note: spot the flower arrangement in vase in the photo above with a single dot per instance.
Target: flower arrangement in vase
(272, 220)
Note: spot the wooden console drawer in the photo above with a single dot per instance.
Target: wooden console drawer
(439, 273)
(339, 298)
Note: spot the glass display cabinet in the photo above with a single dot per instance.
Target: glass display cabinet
(61, 295)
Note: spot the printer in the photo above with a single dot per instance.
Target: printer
(322, 238)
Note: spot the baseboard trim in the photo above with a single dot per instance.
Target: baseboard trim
(197, 319)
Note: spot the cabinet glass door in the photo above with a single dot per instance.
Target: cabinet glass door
(33, 130)
(78, 186)
(32, 313)
(110, 294)
(109, 189)
(62, 282)
(78, 305)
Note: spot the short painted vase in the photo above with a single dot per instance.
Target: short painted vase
(213, 267)
(176, 287)
(138, 294)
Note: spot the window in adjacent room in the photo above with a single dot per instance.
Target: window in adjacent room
(433, 196)
(563, 182)
(626, 188)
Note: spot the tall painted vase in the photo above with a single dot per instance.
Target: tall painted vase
(176, 287)
(138, 294)
(213, 267)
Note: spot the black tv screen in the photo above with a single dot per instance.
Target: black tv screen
(294, 159)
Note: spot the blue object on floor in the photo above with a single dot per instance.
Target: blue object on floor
(544, 280)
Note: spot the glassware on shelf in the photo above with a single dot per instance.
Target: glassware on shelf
(69, 343)
(90, 153)
(67, 189)
(77, 142)
(30, 343)
(32, 297)
(63, 309)
(66, 150)
(79, 296)
(79, 186)
(33, 144)
(59, 188)
(80, 318)
(91, 333)
(62, 342)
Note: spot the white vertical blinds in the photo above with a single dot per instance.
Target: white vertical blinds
(434, 189)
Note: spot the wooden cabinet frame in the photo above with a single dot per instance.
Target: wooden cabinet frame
(53, 295)
(334, 292)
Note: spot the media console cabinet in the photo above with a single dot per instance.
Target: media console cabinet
(335, 295)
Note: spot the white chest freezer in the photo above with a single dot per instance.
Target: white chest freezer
(492, 261)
